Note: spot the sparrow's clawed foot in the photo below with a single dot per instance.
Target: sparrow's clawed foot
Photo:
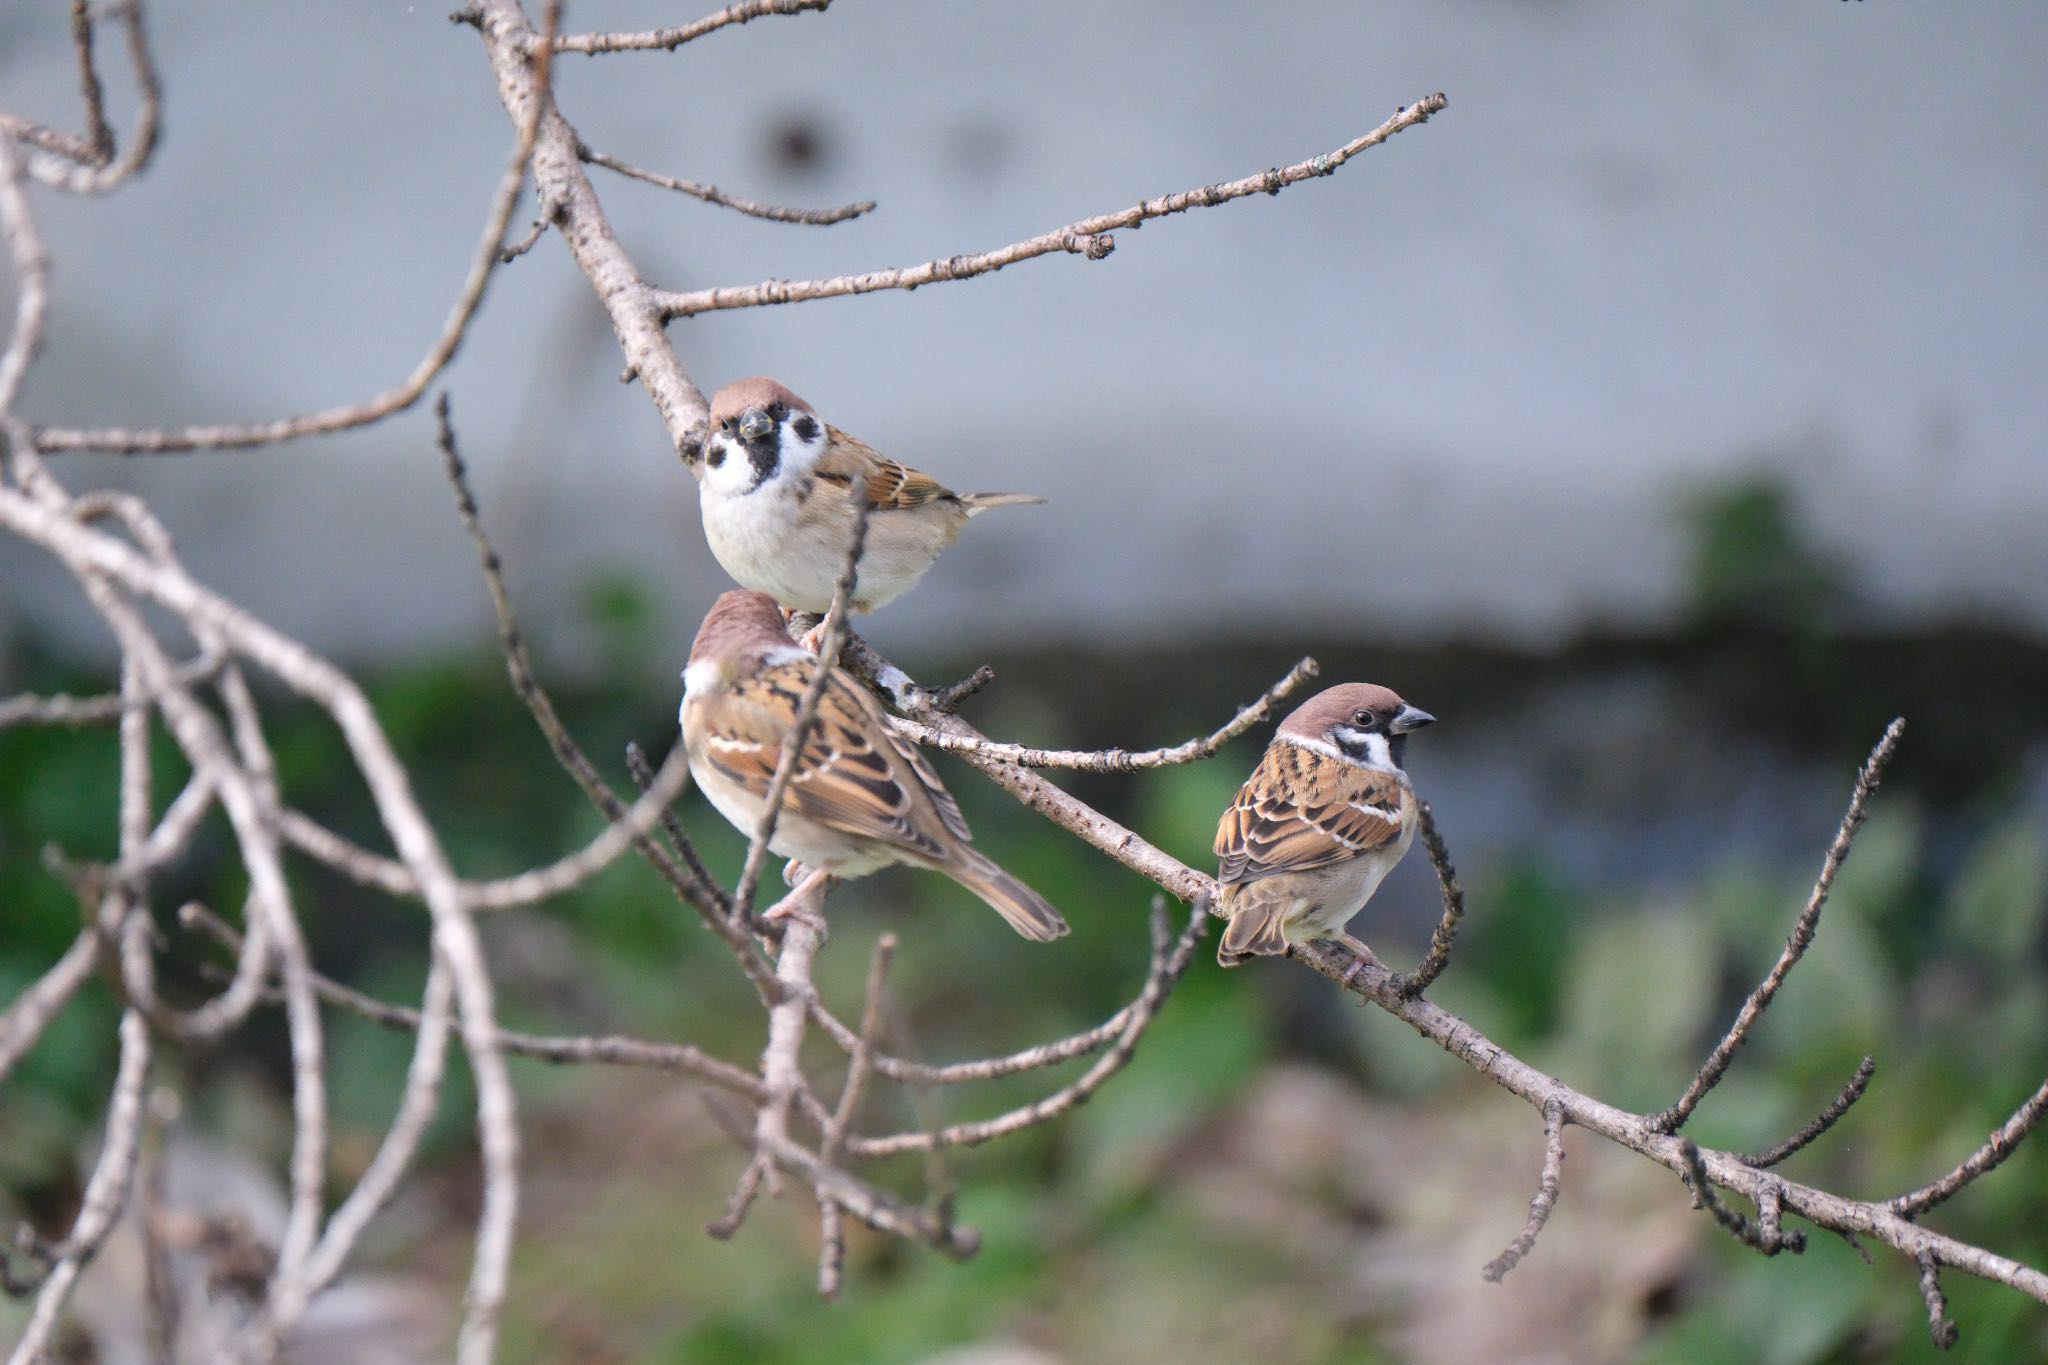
(805, 899)
(1366, 956)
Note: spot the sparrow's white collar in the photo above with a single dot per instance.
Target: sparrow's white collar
(700, 675)
(1381, 756)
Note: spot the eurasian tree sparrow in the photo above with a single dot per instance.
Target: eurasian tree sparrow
(777, 488)
(862, 796)
(1324, 818)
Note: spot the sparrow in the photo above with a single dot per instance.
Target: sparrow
(862, 796)
(778, 489)
(1323, 819)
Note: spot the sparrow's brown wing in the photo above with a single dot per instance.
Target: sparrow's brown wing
(853, 773)
(1302, 810)
(891, 486)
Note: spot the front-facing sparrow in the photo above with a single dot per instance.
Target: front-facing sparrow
(862, 796)
(778, 490)
(1322, 821)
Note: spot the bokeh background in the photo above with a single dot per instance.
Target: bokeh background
(1665, 417)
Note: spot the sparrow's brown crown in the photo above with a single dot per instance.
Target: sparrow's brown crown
(738, 621)
(1334, 706)
(758, 392)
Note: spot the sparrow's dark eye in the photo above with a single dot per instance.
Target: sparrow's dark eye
(726, 425)
(778, 410)
(715, 456)
(1364, 720)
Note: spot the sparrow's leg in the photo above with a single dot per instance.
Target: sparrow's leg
(813, 637)
(797, 904)
(1365, 955)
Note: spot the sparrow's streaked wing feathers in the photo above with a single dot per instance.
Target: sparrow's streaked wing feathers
(891, 486)
(843, 779)
(942, 800)
(1302, 810)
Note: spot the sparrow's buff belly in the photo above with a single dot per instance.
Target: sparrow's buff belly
(771, 543)
(1328, 897)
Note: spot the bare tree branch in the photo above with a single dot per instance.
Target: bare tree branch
(1117, 760)
(91, 167)
(106, 1192)
(833, 638)
(1088, 237)
(1548, 1186)
(1938, 1325)
(711, 194)
(669, 39)
(1996, 1149)
(1759, 1000)
(1170, 959)
(1826, 1119)
(230, 436)
(1446, 932)
(30, 1012)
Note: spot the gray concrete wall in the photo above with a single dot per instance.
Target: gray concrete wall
(1459, 387)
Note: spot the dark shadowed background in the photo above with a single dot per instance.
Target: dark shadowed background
(1665, 417)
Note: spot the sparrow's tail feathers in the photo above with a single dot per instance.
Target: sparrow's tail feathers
(980, 502)
(1029, 913)
(1257, 928)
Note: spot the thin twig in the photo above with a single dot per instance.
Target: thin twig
(1117, 760)
(832, 1242)
(788, 759)
(711, 194)
(31, 276)
(233, 436)
(96, 173)
(30, 1013)
(781, 1068)
(643, 778)
(106, 1192)
(96, 147)
(525, 244)
(701, 895)
(1996, 1149)
(1826, 1119)
(563, 875)
(1548, 1185)
(1170, 959)
(1939, 1326)
(669, 39)
(1759, 1000)
(1089, 237)
(1765, 1235)
(607, 1050)
(1445, 934)
(100, 709)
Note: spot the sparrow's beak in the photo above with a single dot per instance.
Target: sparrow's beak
(1410, 718)
(755, 424)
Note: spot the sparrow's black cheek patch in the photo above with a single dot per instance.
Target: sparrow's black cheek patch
(805, 427)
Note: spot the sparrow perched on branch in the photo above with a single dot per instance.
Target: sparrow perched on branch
(1324, 818)
(778, 490)
(861, 797)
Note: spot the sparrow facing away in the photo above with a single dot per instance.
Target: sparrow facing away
(777, 488)
(862, 796)
(1323, 819)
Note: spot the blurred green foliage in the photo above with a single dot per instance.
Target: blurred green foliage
(1103, 1239)
(1753, 561)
